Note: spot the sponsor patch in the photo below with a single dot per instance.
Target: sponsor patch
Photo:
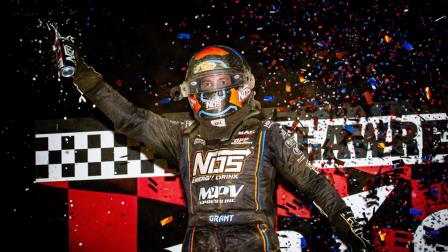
(214, 192)
(291, 143)
(220, 161)
(213, 104)
(246, 133)
(243, 93)
(218, 122)
(219, 194)
(199, 141)
(242, 140)
(268, 124)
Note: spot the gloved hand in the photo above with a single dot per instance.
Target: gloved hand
(85, 77)
(351, 230)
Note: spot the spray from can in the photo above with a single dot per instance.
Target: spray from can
(65, 54)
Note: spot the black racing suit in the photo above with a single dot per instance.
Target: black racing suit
(229, 185)
(226, 183)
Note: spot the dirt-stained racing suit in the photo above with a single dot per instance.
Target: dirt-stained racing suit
(229, 185)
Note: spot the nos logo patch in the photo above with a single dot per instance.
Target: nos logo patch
(220, 161)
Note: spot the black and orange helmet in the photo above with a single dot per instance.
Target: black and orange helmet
(218, 82)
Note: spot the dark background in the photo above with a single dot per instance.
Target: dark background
(136, 46)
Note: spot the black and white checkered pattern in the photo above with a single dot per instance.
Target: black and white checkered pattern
(93, 155)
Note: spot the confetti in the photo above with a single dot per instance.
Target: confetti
(268, 98)
(183, 36)
(372, 81)
(166, 221)
(349, 128)
(382, 235)
(428, 93)
(288, 87)
(165, 101)
(304, 59)
(407, 46)
(415, 211)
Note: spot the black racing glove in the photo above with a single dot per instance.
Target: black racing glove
(351, 230)
(85, 77)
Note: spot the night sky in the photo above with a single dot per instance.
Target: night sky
(324, 52)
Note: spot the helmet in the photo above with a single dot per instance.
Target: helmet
(218, 83)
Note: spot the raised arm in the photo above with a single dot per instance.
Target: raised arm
(293, 165)
(161, 134)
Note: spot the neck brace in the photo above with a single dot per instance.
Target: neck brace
(208, 131)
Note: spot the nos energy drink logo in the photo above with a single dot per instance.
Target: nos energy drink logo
(220, 161)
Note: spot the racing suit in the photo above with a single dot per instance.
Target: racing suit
(229, 185)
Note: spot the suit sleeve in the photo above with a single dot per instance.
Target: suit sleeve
(293, 165)
(159, 133)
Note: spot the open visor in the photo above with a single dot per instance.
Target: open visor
(213, 82)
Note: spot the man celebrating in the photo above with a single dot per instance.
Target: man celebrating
(228, 158)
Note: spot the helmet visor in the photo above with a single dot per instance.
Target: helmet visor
(214, 82)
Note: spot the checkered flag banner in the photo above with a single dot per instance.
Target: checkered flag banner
(85, 149)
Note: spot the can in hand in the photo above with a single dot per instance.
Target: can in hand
(65, 55)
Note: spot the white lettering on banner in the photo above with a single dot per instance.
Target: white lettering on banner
(220, 161)
(435, 221)
(417, 129)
